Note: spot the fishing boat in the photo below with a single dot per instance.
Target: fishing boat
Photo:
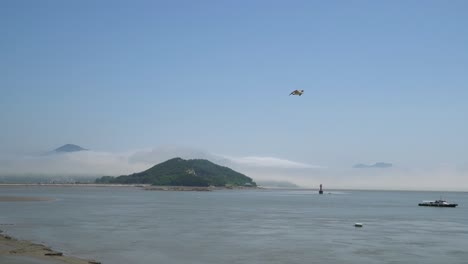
(437, 203)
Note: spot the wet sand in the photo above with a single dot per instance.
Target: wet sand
(13, 251)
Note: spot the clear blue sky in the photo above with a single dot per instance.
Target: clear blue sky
(383, 80)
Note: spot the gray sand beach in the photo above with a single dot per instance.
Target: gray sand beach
(13, 251)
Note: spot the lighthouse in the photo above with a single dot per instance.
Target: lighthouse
(320, 191)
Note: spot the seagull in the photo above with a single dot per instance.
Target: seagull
(297, 92)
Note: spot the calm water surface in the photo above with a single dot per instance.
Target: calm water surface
(129, 225)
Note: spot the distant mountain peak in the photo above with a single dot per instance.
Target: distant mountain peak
(69, 148)
(375, 165)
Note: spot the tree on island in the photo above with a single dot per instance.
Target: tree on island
(180, 172)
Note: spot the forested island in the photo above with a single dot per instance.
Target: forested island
(180, 172)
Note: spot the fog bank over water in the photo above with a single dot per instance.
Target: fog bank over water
(261, 168)
(436, 178)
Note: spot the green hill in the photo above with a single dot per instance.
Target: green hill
(180, 172)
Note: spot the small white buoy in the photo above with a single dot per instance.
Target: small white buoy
(358, 224)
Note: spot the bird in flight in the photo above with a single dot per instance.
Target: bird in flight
(297, 92)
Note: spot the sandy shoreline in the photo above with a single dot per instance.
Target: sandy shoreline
(25, 252)
(146, 187)
(196, 188)
(23, 199)
(72, 185)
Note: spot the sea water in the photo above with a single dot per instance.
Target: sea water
(130, 225)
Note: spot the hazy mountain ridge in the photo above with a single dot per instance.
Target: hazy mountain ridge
(69, 148)
(375, 165)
